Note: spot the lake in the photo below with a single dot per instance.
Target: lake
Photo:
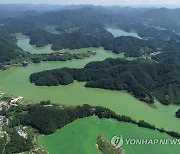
(118, 32)
(23, 43)
(52, 29)
(15, 81)
(80, 137)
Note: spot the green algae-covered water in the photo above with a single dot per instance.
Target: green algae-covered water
(15, 81)
(80, 136)
(23, 43)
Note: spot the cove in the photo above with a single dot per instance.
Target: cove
(52, 29)
(23, 43)
(80, 137)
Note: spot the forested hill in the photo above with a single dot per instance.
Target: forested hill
(14, 25)
(69, 18)
(125, 18)
(41, 37)
(95, 35)
(143, 79)
(85, 27)
(91, 35)
(96, 30)
(9, 50)
(162, 17)
(168, 58)
(66, 19)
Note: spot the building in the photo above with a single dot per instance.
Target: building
(16, 99)
(21, 132)
(1, 121)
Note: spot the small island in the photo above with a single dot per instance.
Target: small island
(106, 147)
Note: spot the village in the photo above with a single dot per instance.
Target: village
(5, 103)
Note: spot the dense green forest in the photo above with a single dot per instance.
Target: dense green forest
(144, 79)
(40, 37)
(9, 50)
(82, 27)
(178, 113)
(10, 53)
(151, 32)
(95, 35)
(46, 118)
(92, 35)
(18, 25)
(36, 58)
(127, 19)
(162, 17)
(85, 27)
(41, 116)
(71, 17)
(22, 146)
(133, 47)
(2, 144)
(168, 58)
